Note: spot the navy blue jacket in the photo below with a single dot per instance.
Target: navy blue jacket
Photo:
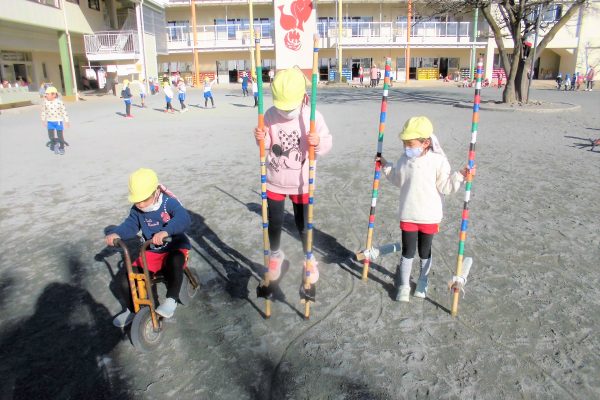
(171, 217)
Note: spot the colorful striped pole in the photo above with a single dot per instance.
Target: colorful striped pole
(377, 175)
(263, 170)
(469, 182)
(311, 178)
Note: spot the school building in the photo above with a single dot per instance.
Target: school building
(151, 37)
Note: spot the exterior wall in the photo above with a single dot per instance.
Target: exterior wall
(80, 17)
(549, 64)
(151, 56)
(52, 62)
(588, 49)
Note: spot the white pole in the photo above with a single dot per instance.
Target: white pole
(144, 68)
(71, 61)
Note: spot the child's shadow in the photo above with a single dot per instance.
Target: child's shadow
(237, 270)
(121, 114)
(329, 249)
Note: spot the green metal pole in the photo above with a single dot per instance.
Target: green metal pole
(63, 49)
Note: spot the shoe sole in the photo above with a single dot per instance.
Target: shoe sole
(420, 295)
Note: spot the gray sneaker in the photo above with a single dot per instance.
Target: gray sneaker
(421, 290)
(403, 294)
(56, 148)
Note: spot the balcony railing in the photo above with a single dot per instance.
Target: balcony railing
(388, 29)
(226, 35)
(111, 43)
(354, 33)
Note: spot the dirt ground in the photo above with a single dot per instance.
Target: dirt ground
(527, 326)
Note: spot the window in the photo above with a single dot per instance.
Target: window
(178, 30)
(94, 4)
(552, 14)
(52, 3)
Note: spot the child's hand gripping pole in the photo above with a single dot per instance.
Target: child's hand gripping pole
(459, 278)
(263, 289)
(308, 292)
(377, 175)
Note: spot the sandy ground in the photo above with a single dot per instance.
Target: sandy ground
(527, 326)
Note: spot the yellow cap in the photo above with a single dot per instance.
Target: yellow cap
(51, 89)
(417, 128)
(142, 183)
(288, 88)
(125, 82)
(206, 79)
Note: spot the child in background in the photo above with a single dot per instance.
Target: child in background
(255, 91)
(168, 91)
(287, 139)
(423, 175)
(142, 86)
(208, 92)
(567, 81)
(245, 79)
(181, 89)
(54, 115)
(126, 95)
(158, 214)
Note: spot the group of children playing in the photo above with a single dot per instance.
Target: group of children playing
(422, 173)
(167, 89)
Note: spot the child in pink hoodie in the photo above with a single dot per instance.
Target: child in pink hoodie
(287, 139)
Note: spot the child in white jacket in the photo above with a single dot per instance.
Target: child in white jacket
(423, 175)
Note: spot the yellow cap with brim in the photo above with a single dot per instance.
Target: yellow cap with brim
(142, 183)
(125, 82)
(417, 128)
(51, 89)
(288, 88)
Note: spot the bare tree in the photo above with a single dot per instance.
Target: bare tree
(515, 19)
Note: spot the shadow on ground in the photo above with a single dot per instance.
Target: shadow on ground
(61, 351)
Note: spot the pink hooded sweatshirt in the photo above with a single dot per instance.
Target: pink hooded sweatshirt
(286, 142)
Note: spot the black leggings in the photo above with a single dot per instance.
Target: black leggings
(182, 104)
(127, 109)
(169, 106)
(211, 101)
(409, 244)
(54, 140)
(172, 270)
(276, 211)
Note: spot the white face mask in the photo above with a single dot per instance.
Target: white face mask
(154, 206)
(289, 115)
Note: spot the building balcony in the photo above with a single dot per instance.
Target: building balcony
(230, 37)
(354, 34)
(112, 45)
(392, 34)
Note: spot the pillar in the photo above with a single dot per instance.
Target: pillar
(63, 49)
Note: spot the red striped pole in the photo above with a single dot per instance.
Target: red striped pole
(377, 175)
(469, 182)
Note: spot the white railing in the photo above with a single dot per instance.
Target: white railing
(121, 42)
(224, 32)
(389, 29)
(356, 33)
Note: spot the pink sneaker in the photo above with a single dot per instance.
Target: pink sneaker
(312, 271)
(275, 267)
